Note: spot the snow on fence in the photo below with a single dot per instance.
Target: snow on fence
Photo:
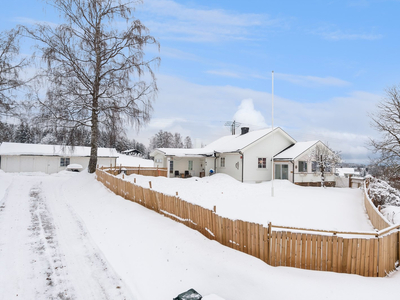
(145, 171)
(377, 219)
(372, 254)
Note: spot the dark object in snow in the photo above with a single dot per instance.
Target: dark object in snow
(189, 295)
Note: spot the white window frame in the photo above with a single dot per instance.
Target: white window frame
(262, 163)
(190, 165)
(305, 166)
(222, 162)
(64, 161)
(315, 167)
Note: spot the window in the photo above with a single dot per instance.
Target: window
(262, 163)
(314, 166)
(158, 160)
(222, 162)
(171, 166)
(64, 161)
(302, 166)
(190, 167)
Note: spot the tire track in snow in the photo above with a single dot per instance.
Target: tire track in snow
(101, 282)
(44, 245)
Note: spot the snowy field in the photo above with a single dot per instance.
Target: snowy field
(66, 236)
(338, 209)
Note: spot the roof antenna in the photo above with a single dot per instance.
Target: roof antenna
(233, 126)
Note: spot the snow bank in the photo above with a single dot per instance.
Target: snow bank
(294, 206)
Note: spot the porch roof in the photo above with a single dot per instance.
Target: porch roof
(295, 150)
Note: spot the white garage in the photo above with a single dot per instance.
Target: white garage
(49, 159)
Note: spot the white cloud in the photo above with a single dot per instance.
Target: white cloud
(181, 22)
(312, 81)
(164, 123)
(224, 73)
(30, 21)
(247, 115)
(337, 35)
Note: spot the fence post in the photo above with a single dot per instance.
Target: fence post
(150, 184)
(215, 208)
(268, 242)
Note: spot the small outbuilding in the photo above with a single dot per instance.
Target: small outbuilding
(49, 159)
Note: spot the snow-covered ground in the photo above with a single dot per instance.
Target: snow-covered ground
(133, 161)
(65, 236)
(338, 209)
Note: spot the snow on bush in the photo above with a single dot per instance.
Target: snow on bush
(383, 194)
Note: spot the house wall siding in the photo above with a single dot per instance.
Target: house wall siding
(267, 147)
(233, 165)
(45, 164)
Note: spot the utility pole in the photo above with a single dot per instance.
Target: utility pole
(272, 139)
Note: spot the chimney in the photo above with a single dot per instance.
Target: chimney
(244, 130)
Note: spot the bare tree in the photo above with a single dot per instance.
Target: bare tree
(177, 143)
(386, 121)
(10, 66)
(323, 160)
(162, 139)
(188, 143)
(95, 70)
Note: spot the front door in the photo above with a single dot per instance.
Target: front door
(285, 171)
(282, 172)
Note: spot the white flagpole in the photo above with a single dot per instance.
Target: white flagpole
(272, 123)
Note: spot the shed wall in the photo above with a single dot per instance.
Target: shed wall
(45, 164)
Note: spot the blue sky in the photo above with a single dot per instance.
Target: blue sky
(332, 62)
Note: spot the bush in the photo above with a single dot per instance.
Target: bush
(383, 194)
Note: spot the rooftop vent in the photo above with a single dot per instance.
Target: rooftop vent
(245, 130)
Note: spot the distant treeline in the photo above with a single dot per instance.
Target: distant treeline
(36, 134)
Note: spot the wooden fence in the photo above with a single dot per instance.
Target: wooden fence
(377, 219)
(145, 171)
(372, 254)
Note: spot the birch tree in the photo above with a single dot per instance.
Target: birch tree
(325, 159)
(96, 67)
(10, 67)
(386, 120)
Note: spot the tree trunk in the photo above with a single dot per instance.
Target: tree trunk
(322, 173)
(94, 141)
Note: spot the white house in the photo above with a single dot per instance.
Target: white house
(245, 157)
(296, 164)
(15, 157)
(248, 157)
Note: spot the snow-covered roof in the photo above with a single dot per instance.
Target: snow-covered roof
(225, 144)
(295, 150)
(131, 150)
(52, 150)
(343, 171)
